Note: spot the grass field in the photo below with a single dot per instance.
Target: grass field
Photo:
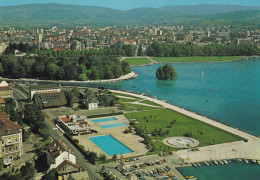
(137, 61)
(126, 95)
(132, 107)
(195, 59)
(162, 118)
(150, 103)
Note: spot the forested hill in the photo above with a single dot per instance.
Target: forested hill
(70, 15)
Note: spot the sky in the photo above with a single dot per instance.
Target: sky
(130, 4)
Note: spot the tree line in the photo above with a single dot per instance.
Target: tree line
(189, 49)
(56, 66)
(125, 50)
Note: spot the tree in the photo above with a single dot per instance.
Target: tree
(51, 175)
(166, 72)
(140, 51)
(28, 170)
(114, 157)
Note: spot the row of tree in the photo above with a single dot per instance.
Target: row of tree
(189, 49)
(125, 50)
(64, 68)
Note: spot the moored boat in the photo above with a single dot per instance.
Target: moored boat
(246, 161)
(253, 160)
(189, 177)
(221, 162)
(216, 162)
(225, 161)
(206, 163)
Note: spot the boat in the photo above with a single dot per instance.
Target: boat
(225, 161)
(240, 160)
(221, 162)
(216, 162)
(237, 160)
(246, 161)
(193, 178)
(211, 163)
(189, 177)
(198, 164)
(206, 163)
(253, 160)
(258, 162)
(202, 73)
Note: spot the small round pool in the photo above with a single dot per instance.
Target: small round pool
(181, 142)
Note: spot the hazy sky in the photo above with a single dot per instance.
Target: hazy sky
(129, 4)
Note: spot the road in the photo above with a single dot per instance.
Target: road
(81, 161)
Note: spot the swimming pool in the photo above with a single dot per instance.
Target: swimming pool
(103, 120)
(110, 145)
(112, 125)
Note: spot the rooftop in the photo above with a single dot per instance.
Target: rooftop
(8, 127)
(45, 86)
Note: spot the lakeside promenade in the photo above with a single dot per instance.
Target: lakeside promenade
(238, 149)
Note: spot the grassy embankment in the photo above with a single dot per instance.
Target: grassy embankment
(137, 61)
(151, 118)
(196, 59)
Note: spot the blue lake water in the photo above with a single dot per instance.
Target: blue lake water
(103, 120)
(110, 145)
(112, 125)
(228, 91)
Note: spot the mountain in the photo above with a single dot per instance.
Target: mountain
(68, 15)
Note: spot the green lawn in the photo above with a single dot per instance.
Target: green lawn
(128, 100)
(195, 59)
(161, 118)
(149, 102)
(141, 107)
(137, 61)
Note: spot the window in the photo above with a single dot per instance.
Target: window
(9, 140)
(3, 150)
(10, 148)
(16, 147)
(16, 139)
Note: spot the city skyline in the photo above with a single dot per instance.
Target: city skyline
(126, 4)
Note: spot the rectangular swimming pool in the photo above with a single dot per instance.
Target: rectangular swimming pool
(103, 120)
(112, 125)
(110, 145)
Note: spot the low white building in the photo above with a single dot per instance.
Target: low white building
(65, 155)
(44, 88)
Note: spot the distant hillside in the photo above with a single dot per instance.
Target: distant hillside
(49, 14)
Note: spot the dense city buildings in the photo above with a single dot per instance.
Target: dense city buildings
(86, 37)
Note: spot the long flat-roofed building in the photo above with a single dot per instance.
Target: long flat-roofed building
(44, 88)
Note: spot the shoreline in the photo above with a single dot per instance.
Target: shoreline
(156, 62)
(246, 149)
(131, 75)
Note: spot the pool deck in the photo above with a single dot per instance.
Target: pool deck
(130, 140)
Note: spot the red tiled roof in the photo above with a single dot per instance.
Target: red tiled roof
(8, 127)
(64, 119)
